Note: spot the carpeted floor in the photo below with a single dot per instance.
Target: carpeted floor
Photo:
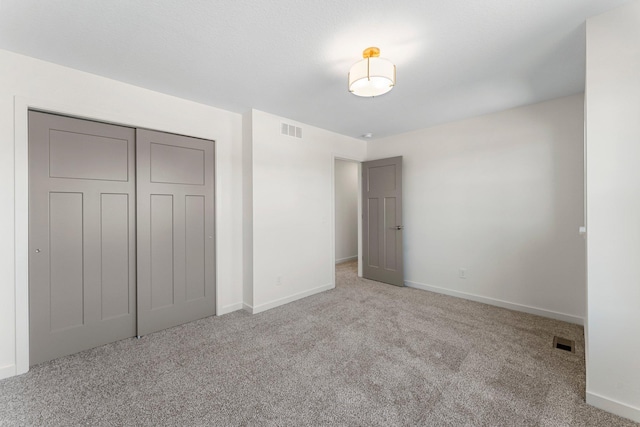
(364, 354)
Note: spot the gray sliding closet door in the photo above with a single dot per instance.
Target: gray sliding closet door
(176, 242)
(81, 235)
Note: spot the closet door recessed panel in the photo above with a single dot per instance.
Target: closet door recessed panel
(115, 283)
(162, 253)
(66, 260)
(83, 156)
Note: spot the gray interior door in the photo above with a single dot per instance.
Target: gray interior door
(81, 235)
(382, 221)
(176, 245)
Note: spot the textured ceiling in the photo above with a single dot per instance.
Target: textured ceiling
(455, 58)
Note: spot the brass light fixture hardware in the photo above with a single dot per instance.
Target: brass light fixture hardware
(372, 76)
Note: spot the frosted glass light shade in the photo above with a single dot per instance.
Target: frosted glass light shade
(372, 77)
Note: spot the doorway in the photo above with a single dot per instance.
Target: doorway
(346, 190)
(382, 234)
(379, 217)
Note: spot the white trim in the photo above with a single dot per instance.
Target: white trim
(332, 225)
(229, 309)
(498, 303)
(349, 258)
(217, 217)
(360, 250)
(247, 308)
(21, 236)
(282, 301)
(7, 371)
(613, 406)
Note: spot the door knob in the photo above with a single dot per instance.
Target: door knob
(399, 227)
(37, 251)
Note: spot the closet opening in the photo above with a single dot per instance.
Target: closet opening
(121, 233)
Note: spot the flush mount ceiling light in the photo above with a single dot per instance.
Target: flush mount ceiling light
(372, 76)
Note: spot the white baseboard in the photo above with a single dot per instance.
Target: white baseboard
(613, 406)
(282, 301)
(7, 371)
(247, 308)
(499, 303)
(349, 258)
(230, 308)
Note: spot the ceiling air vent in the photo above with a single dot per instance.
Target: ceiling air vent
(290, 130)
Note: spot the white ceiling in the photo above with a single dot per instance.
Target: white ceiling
(455, 58)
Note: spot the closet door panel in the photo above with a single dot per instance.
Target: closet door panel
(81, 235)
(175, 216)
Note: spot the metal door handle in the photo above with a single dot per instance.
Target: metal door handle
(399, 227)
(37, 251)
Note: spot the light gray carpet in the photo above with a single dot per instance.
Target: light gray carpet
(364, 354)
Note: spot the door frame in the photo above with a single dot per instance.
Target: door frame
(21, 195)
(332, 203)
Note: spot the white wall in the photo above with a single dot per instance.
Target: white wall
(293, 238)
(346, 210)
(501, 196)
(26, 82)
(613, 210)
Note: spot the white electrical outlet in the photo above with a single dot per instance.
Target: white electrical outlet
(462, 273)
